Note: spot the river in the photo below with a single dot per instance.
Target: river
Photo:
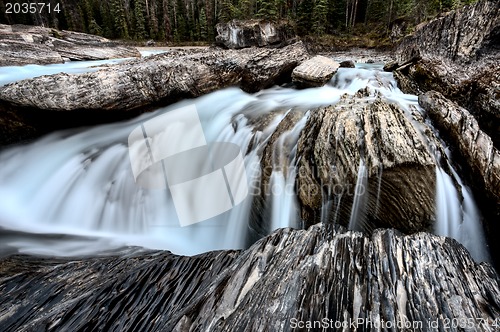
(72, 192)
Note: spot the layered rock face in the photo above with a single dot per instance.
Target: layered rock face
(458, 55)
(370, 152)
(241, 34)
(127, 88)
(22, 45)
(420, 282)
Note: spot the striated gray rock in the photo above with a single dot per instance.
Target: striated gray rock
(458, 55)
(241, 34)
(285, 279)
(22, 45)
(136, 85)
(476, 146)
(397, 186)
(314, 72)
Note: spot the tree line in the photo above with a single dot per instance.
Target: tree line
(195, 20)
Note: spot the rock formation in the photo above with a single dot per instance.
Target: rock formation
(458, 55)
(133, 86)
(480, 158)
(473, 143)
(325, 275)
(22, 45)
(241, 34)
(315, 72)
(399, 172)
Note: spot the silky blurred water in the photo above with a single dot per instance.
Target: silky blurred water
(73, 192)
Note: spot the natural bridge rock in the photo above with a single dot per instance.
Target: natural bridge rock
(241, 34)
(458, 55)
(128, 88)
(285, 279)
(22, 45)
(396, 188)
(314, 72)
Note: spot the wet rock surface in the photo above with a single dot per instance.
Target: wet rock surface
(285, 278)
(127, 88)
(458, 55)
(398, 172)
(238, 34)
(315, 72)
(22, 45)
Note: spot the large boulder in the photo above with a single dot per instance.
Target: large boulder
(369, 154)
(322, 276)
(237, 34)
(22, 45)
(458, 55)
(315, 72)
(128, 88)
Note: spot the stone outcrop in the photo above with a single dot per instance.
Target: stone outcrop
(458, 55)
(241, 34)
(137, 85)
(315, 72)
(398, 189)
(283, 280)
(22, 45)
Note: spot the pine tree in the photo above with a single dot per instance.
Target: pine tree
(304, 20)
(267, 9)
(119, 19)
(203, 25)
(320, 13)
(140, 31)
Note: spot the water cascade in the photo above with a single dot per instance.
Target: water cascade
(73, 193)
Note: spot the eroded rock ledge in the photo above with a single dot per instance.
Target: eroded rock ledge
(22, 44)
(287, 276)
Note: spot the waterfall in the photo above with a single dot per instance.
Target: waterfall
(358, 211)
(73, 192)
(284, 204)
(458, 220)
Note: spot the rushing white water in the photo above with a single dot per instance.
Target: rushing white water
(283, 199)
(458, 220)
(73, 192)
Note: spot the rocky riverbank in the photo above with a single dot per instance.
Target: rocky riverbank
(458, 56)
(22, 44)
(452, 63)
